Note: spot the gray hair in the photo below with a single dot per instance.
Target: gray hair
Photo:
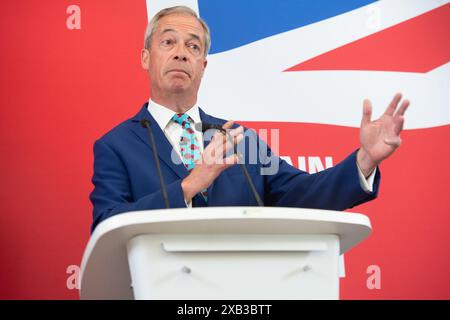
(151, 27)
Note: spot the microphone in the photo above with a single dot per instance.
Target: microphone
(146, 124)
(207, 126)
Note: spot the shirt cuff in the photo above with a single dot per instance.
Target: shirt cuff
(366, 184)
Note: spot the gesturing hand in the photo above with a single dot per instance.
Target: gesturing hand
(380, 138)
(214, 160)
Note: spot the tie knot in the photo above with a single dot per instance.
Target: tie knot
(183, 119)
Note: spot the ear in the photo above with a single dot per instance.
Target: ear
(145, 59)
(205, 63)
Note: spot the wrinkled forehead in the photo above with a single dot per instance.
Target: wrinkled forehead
(180, 23)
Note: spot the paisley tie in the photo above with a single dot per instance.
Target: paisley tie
(189, 145)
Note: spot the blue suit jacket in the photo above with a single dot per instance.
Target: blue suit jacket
(125, 177)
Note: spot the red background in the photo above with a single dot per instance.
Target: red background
(61, 89)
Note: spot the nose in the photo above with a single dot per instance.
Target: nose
(180, 53)
(180, 57)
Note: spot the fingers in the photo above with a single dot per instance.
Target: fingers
(231, 160)
(222, 144)
(390, 111)
(399, 121)
(367, 112)
(402, 109)
(393, 105)
(235, 132)
(228, 124)
(233, 139)
(399, 117)
(221, 138)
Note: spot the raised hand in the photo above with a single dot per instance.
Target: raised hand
(380, 138)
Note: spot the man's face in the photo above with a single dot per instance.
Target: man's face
(175, 61)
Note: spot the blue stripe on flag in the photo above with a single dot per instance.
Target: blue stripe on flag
(235, 23)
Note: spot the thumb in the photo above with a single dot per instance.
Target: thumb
(367, 112)
(228, 124)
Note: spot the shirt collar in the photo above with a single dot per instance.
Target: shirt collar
(163, 115)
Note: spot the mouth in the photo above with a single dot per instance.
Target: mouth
(179, 71)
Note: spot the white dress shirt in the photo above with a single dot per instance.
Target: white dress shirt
(173, 131)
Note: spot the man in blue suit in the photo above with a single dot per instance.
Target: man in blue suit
(125, 178)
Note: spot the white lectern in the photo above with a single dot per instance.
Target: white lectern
(220, 253)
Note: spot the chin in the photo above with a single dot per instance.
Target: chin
(178, 87)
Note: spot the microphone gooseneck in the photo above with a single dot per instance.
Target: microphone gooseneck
(146, 124)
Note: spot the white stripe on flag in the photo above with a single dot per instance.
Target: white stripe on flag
(153, 6)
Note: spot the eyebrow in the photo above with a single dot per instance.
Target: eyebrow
(193, 35)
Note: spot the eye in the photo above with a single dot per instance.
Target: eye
(194, 47)
(167, 42)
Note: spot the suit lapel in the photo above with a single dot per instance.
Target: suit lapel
(165, 148)
(210, 120)
(162, 144)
